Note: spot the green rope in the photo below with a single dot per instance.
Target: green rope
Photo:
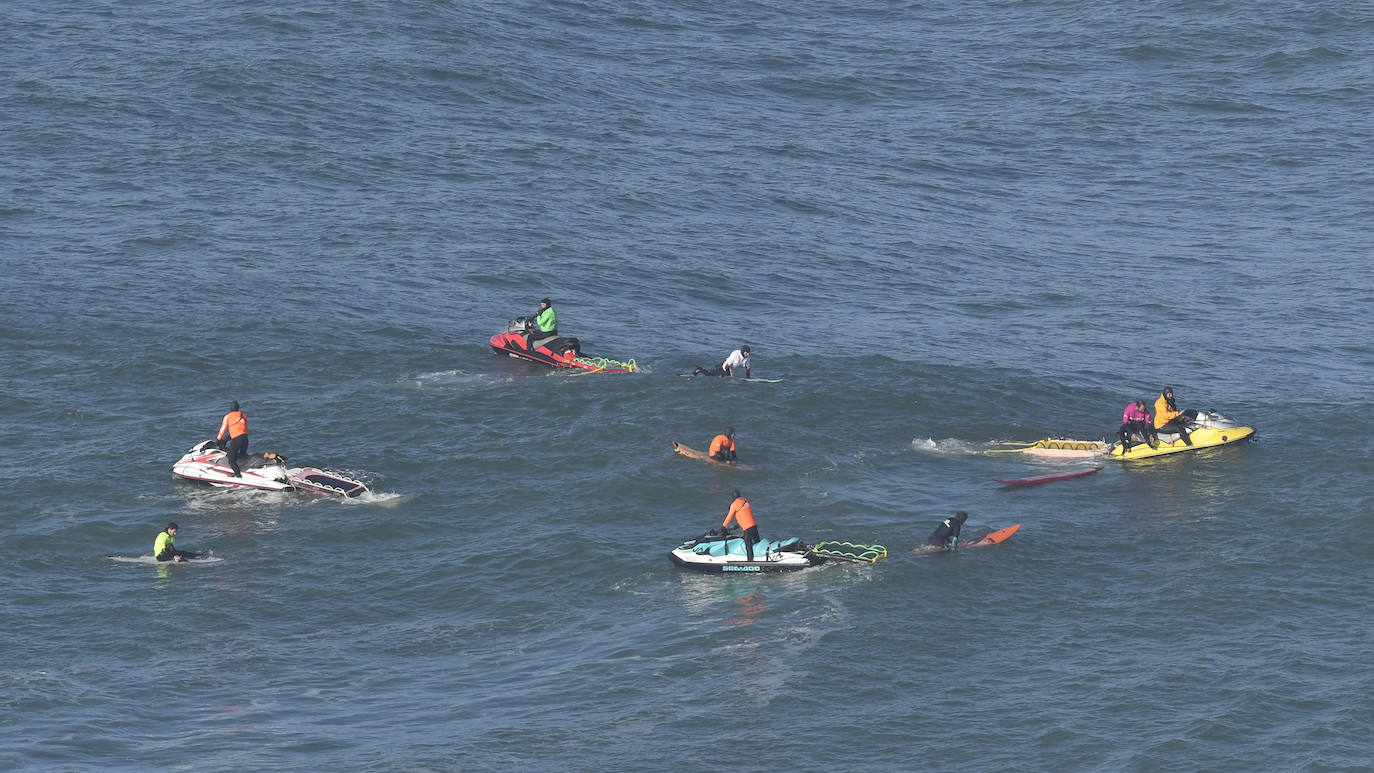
(603, 363)
(850, 551)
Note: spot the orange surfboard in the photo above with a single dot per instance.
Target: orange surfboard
(992, 538)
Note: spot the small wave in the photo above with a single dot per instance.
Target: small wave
(382, 498)
(456, 377)
(948, 446)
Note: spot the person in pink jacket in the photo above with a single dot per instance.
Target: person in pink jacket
(1135, 419)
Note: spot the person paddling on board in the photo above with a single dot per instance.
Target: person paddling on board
(737, 360)
(723, 446)
(1136, 420)
(545, 324)
(236, 424)
(743, 513)
(165, 546)
(946, 535)
(1168, 418)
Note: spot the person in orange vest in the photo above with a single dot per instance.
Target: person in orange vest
(723, 446)
(742, 513)
(236, 424)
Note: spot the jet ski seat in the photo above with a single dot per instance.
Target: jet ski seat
(257, 461)
(557, 344)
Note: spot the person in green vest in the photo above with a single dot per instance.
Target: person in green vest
(545, 323)
(165, 546)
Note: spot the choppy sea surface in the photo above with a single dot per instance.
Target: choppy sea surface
(943, 226)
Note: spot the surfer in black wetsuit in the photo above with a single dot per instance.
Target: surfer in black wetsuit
(946, 535)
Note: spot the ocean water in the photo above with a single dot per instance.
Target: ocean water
(943, 226)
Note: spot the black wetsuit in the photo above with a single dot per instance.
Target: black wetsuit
(1179, 424)
(751, 538)
(168, 554)
(235, 450)
(947, 530)
(1141, 428)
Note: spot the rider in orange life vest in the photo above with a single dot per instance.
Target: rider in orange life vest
(723, 446)
(741, 512)
(236, 424)
(1168, 418)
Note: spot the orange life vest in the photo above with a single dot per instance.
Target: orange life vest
(235, 422)
(742, 512)
(720, 443)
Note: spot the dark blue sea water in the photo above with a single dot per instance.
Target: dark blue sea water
(942, 225)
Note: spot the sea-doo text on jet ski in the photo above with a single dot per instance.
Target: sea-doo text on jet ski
(268, 472)
(553, 351)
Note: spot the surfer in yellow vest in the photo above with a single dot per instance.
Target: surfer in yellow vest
(165, 546)
(946, 535)
(723, 446)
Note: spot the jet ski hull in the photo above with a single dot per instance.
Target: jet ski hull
(715, 554)
(205, 463)
(737, 564)
(1204, 437)
(1209, 430)
(560, 352)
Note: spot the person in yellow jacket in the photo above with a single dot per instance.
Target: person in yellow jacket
(1168, 418)
(235, 424)
(165, 546)
(742, 513)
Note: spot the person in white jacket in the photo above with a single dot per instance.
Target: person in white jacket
(736, 362)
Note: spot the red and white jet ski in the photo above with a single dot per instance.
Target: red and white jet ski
(553, 351)
(268, 472)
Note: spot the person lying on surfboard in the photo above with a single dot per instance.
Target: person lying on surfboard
(946, 535)
(165, 546)
(738, 360)
(723, 446)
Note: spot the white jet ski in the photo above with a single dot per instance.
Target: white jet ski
(267, 472)
(722, 552)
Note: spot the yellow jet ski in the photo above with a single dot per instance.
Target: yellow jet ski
(1208, 430)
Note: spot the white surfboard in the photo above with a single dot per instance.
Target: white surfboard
(150, 560)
